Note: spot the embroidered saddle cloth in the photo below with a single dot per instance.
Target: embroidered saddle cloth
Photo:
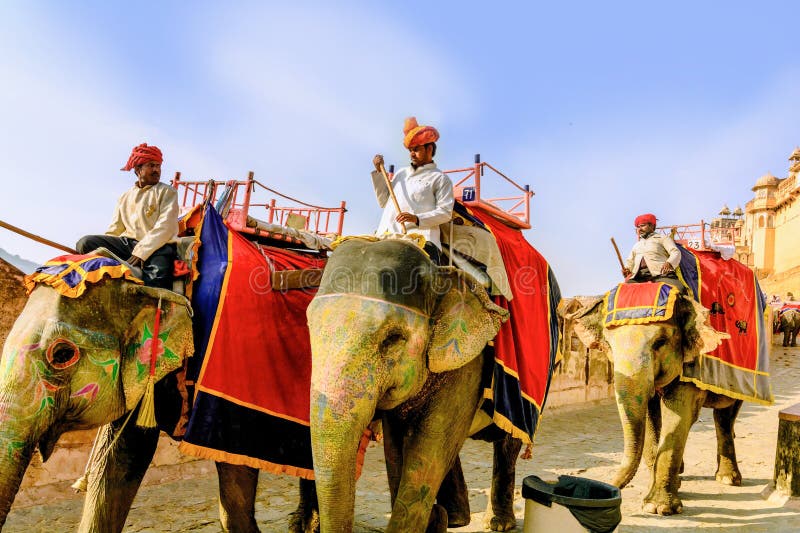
(639, 303)
(70, 274)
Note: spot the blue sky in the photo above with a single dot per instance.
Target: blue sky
(607, 109)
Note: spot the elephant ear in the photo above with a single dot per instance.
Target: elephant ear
(583, 316)
(464, 320)
(699, 336)
(175, 342)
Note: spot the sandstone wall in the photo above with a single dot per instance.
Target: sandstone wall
(584, 375)
(12, 297)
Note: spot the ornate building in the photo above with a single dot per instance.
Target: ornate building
(768, 236)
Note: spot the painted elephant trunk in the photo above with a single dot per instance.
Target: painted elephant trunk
(335, 463)
(632, 400)
(17, 445)
(12, 469)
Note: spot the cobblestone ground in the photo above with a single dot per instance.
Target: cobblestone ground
(579, 440)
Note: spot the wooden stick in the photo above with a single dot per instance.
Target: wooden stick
(619, 256)
(37, 238)
(391, 193)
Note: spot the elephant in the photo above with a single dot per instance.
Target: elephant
(78, 363)
(394, 335)
(790, 325)
(656, 408)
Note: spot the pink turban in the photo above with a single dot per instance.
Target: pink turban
(416, 135)
(647, 218)
(143, 154)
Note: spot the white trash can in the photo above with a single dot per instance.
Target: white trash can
(572, 505)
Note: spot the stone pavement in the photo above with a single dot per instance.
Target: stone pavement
(583, 440)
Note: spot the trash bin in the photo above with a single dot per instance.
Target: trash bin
(581, 505)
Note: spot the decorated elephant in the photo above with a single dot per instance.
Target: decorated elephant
(649, 359)
(393, 334)
(790, 324)
(77, 363)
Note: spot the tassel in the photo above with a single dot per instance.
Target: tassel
(528, 453)
(81, 484)
(147, 407)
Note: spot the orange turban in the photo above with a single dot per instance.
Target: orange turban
(416, 135)
(143, 154)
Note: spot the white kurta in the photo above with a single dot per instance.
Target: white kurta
(148, 215)
(426, 192)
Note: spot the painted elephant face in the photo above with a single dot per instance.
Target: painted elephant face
(79, 363)
(385, 316)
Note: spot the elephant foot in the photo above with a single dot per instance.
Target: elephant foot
(438, 520)
(665, 505)
(734, 479)
(502, 523)
(458, 519)
(299, 522)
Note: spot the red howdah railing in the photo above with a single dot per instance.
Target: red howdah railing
(513, 209)
(241, 199)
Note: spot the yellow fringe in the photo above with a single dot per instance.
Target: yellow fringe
(235, 459)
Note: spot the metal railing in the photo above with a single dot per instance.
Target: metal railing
(237, 200)
(698, 236)
(513, 209)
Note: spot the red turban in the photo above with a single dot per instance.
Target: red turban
(416, 135)
(647, 218)
(143, 154)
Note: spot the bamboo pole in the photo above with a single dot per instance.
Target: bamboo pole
(391, 193)
(36, 238)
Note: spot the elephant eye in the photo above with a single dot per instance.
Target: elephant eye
(62, 354)
(659, 343)
(392, 338)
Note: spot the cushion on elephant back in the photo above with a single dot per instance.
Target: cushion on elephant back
(639, 303)
(69, 274)
(788, 307)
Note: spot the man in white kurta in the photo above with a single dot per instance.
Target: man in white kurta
(144, 227)
(424, 193)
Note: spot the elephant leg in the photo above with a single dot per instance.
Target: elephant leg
(431, 440)
(116, 472)
(453, 496)
(394, 431)
(237, 498)
(506, 451)
(652, 430)
(727, 466)
(305, 519)
(681, 406)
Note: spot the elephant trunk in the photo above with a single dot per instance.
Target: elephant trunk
(335, 436)
(632, 394)
(12, 469)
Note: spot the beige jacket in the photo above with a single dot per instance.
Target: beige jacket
(148, 215)
(656, 249)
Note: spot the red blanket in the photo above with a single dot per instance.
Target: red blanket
(253, 362)
(526, 345)
(739, 367)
